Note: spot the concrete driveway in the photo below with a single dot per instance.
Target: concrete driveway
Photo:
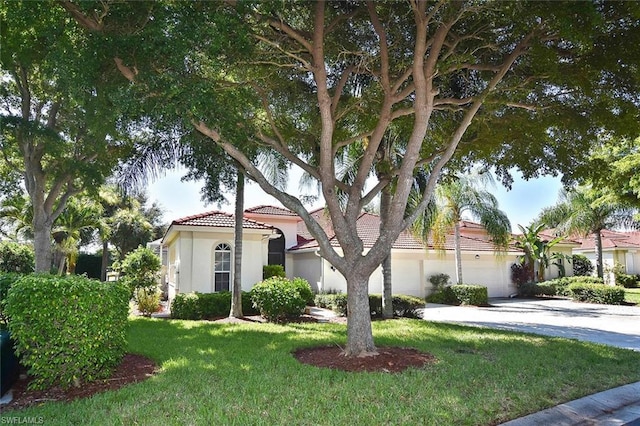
(608, 324)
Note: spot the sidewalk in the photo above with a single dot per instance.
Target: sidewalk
(618, 406)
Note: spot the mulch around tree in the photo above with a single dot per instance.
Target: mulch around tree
(390, 359)
(132, 369)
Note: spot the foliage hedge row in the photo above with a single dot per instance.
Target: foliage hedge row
(198, 306)
(461, 294)
(555, 287)
(16, 257)
(597, 293)
(7, 279)
(403, 306)
(68, 330)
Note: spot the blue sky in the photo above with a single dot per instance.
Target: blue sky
(522, 204)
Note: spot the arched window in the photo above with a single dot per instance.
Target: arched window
(222, 267)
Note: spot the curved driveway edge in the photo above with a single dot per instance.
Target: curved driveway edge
(607, 324)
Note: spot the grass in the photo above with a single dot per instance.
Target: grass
(632, 295)
(244, 374)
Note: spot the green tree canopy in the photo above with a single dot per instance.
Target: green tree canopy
(526, 84)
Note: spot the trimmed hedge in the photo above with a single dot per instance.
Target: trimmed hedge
(7, 279)
(597, 293)
(269, 271)
(68, 330)
(403, 306)
(198, 306)
(278, 299)
(555, 287)
(627, 280)
(461, 294)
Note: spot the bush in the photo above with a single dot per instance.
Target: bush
(68, 330)
(278, 299)
(471, 294)
(148, 301)
(407, 306)
(6, 281)
(403, 306)
(520, 274)
(439, 281)
(529, 289)
(186, 306)
(597, 293)
(269, 271)
(627, 280)
(140, 269)
(16, 257)
(582, 266)
(305, 290)
(197, 306)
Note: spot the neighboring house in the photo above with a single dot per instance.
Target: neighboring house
(200, 254)
(617, 248)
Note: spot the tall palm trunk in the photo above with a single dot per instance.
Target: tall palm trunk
(598, 248)
(236, 290)
(105, 260)
(387, 293)
(458, 252)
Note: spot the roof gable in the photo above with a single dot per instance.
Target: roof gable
(217, 219)
(271, 211)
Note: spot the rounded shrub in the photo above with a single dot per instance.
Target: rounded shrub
(269, 271)
(186, 306)
(305, 290)
(278, 299)
(148, 300)
(68, 330)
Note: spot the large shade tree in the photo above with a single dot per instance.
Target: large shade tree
(524, 84)
(59, 119)
(579, 211)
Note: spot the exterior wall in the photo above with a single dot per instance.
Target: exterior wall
(632, 261)
(488, 270)
(411, 270)
(307, 265)
(287, 224)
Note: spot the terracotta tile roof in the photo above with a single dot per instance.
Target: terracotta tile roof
(613, 240)
(547, 235)
(472, 238)
(271, 210)
(217, 219)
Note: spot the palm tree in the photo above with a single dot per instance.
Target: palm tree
(536, 251)
(580, 211)
(79, 216)
(461, 195)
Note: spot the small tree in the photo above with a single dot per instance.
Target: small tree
(139, 269)
(582, 266)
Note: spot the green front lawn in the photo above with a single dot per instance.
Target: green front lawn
(245, 375)
(632, 295)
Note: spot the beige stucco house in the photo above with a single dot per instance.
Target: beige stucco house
(200, 254)
(621, 248)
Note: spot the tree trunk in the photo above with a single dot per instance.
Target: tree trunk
(598, 248)
(42, 243)
(458, 252)
(105, 260)
(236, 289)
(387, 293)
(359, 334)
